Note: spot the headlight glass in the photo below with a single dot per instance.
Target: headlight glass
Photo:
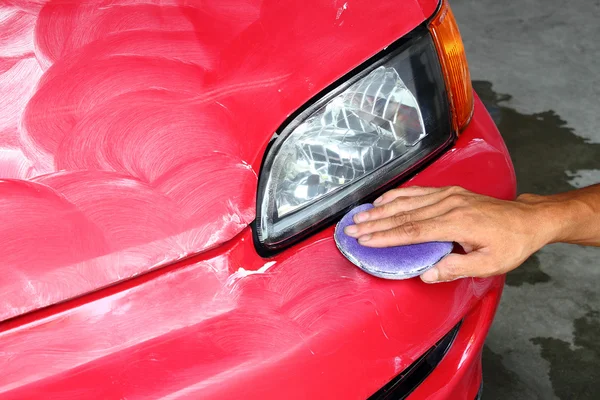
(368, 132)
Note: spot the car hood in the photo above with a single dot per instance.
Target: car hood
(131, 134)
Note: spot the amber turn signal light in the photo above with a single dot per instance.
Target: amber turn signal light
(451, 51)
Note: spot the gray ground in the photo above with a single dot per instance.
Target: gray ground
(536, 65)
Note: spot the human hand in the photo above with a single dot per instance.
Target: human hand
(497, 235)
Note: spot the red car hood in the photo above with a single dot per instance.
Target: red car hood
(131, 134)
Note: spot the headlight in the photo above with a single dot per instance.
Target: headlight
(368, 132)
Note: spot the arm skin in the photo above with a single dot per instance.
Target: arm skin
(497, 235)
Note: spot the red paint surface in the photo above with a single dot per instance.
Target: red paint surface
(429, 6)
(204, 328)
(144, 123)
(130, 138)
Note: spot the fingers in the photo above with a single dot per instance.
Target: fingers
(404, 192)
(406, 199)
(412, 232)
(455, 266)
(396, 219)
(398, 205)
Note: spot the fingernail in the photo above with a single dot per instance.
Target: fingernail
(431, 276)
(378, 200)
(351, 230)
(361, 217)
(364, 238)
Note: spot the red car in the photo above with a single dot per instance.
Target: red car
(171, 174)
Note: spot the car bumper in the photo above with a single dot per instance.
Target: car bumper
(458, 375)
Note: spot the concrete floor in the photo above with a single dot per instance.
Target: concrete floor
(536, 65)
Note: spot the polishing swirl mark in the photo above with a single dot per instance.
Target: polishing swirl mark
(119, 111)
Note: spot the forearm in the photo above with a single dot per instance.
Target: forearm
(571, 217)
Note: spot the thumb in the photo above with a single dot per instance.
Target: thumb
(452, 267)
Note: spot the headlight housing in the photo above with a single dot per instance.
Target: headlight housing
(368, 132)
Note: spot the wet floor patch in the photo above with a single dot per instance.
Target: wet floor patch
(499, 382)
(574, 369)
(529, 272)
(544, 149)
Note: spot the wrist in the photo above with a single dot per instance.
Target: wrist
(555, 217)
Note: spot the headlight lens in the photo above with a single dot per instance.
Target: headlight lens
(364, 127)
(374, 128)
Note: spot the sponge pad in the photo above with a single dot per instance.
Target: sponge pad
(400, 262)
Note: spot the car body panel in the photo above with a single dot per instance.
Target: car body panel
(429, 6)
(132, 133)
(229, 324)
(458, 375)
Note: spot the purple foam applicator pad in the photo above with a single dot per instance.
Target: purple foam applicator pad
(399, 262)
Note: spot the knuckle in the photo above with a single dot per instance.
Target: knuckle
(375, 212)
(364, 227)
(401, 218)
(380, 237)
(370, 226)
(456, 214)
(452, 271)
(387, 208)
(452, 216)
(373, 226)
(445, 276)
(410, 229)
(392, 193)
(454, 189)
(457, 200)
(390, 208)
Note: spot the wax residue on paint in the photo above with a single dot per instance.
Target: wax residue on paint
(242, 273)
(19, 74)
(150, 119)
(115, 114)
(196, 321)
(341, 10)
(16, 33)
